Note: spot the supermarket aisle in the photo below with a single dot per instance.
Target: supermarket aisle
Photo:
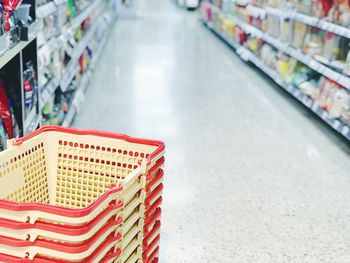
(250, 175)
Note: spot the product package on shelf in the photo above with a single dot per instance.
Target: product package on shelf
(66, 57)
(8, 121)
(308, 61)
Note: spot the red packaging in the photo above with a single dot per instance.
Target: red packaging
(9, 7)
(5, 111)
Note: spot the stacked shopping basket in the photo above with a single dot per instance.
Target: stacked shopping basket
(80, 196)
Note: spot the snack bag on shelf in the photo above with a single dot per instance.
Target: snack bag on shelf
(9, 6)
(241, 36)
(343, 49)
(255, 44)
(341, 13)
(282, 64)
(345, 115)
(304, 6)
(5, 111)
(331, 45)
(225, 6)
(302, 74)
(347, 65)
(268, 55)
(299, 31)
(231, 29)
(217, 3)
(71, 9)
(326, 86)
(313, 43)
(339, 103)
(206, 11)
(273, 26)
(292, 68)
(321, 8)
(286, 31)
(309, 88)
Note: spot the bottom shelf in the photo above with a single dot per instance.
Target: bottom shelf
(308, 102)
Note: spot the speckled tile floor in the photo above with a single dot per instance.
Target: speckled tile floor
(251, 176)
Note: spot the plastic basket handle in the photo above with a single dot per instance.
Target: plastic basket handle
(136, 173)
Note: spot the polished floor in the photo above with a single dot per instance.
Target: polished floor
(251, 176)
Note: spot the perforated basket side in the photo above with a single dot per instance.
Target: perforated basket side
(23, 173)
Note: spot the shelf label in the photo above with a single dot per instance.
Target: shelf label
(330, 73)
(309, 102)
(336, 124)
(315, 107)
(345, 131)
(344, 81)
(324, 115)
(296, 92)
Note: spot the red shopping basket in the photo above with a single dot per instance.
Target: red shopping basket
(63, 192)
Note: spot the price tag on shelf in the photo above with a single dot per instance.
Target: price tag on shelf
(296, 93)
(339, 30)
(278, 80)
(309, 102)
(336, 124)
(309, 20)
(60, 2)
(324, 115)
(315, 107)
(298, 55)
(346, 32)
(345, 131)
(330, 73)
(313, 64)
(45, 10)
(239, 50)
(344, 81)
(323, 25)
(245, 55)
(290, 88)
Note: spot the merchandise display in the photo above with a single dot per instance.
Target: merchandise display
(48, 49)
(16, 22)
(18, 70)
(308, 61)
(70, 43)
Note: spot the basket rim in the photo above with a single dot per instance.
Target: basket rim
(58, 210)
(105, 134)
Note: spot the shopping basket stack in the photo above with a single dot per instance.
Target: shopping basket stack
(154, 189)
(80, 196)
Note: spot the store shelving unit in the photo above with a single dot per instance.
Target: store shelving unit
(306, 59)
(12, 60)
(61, 50)
(72, 68)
